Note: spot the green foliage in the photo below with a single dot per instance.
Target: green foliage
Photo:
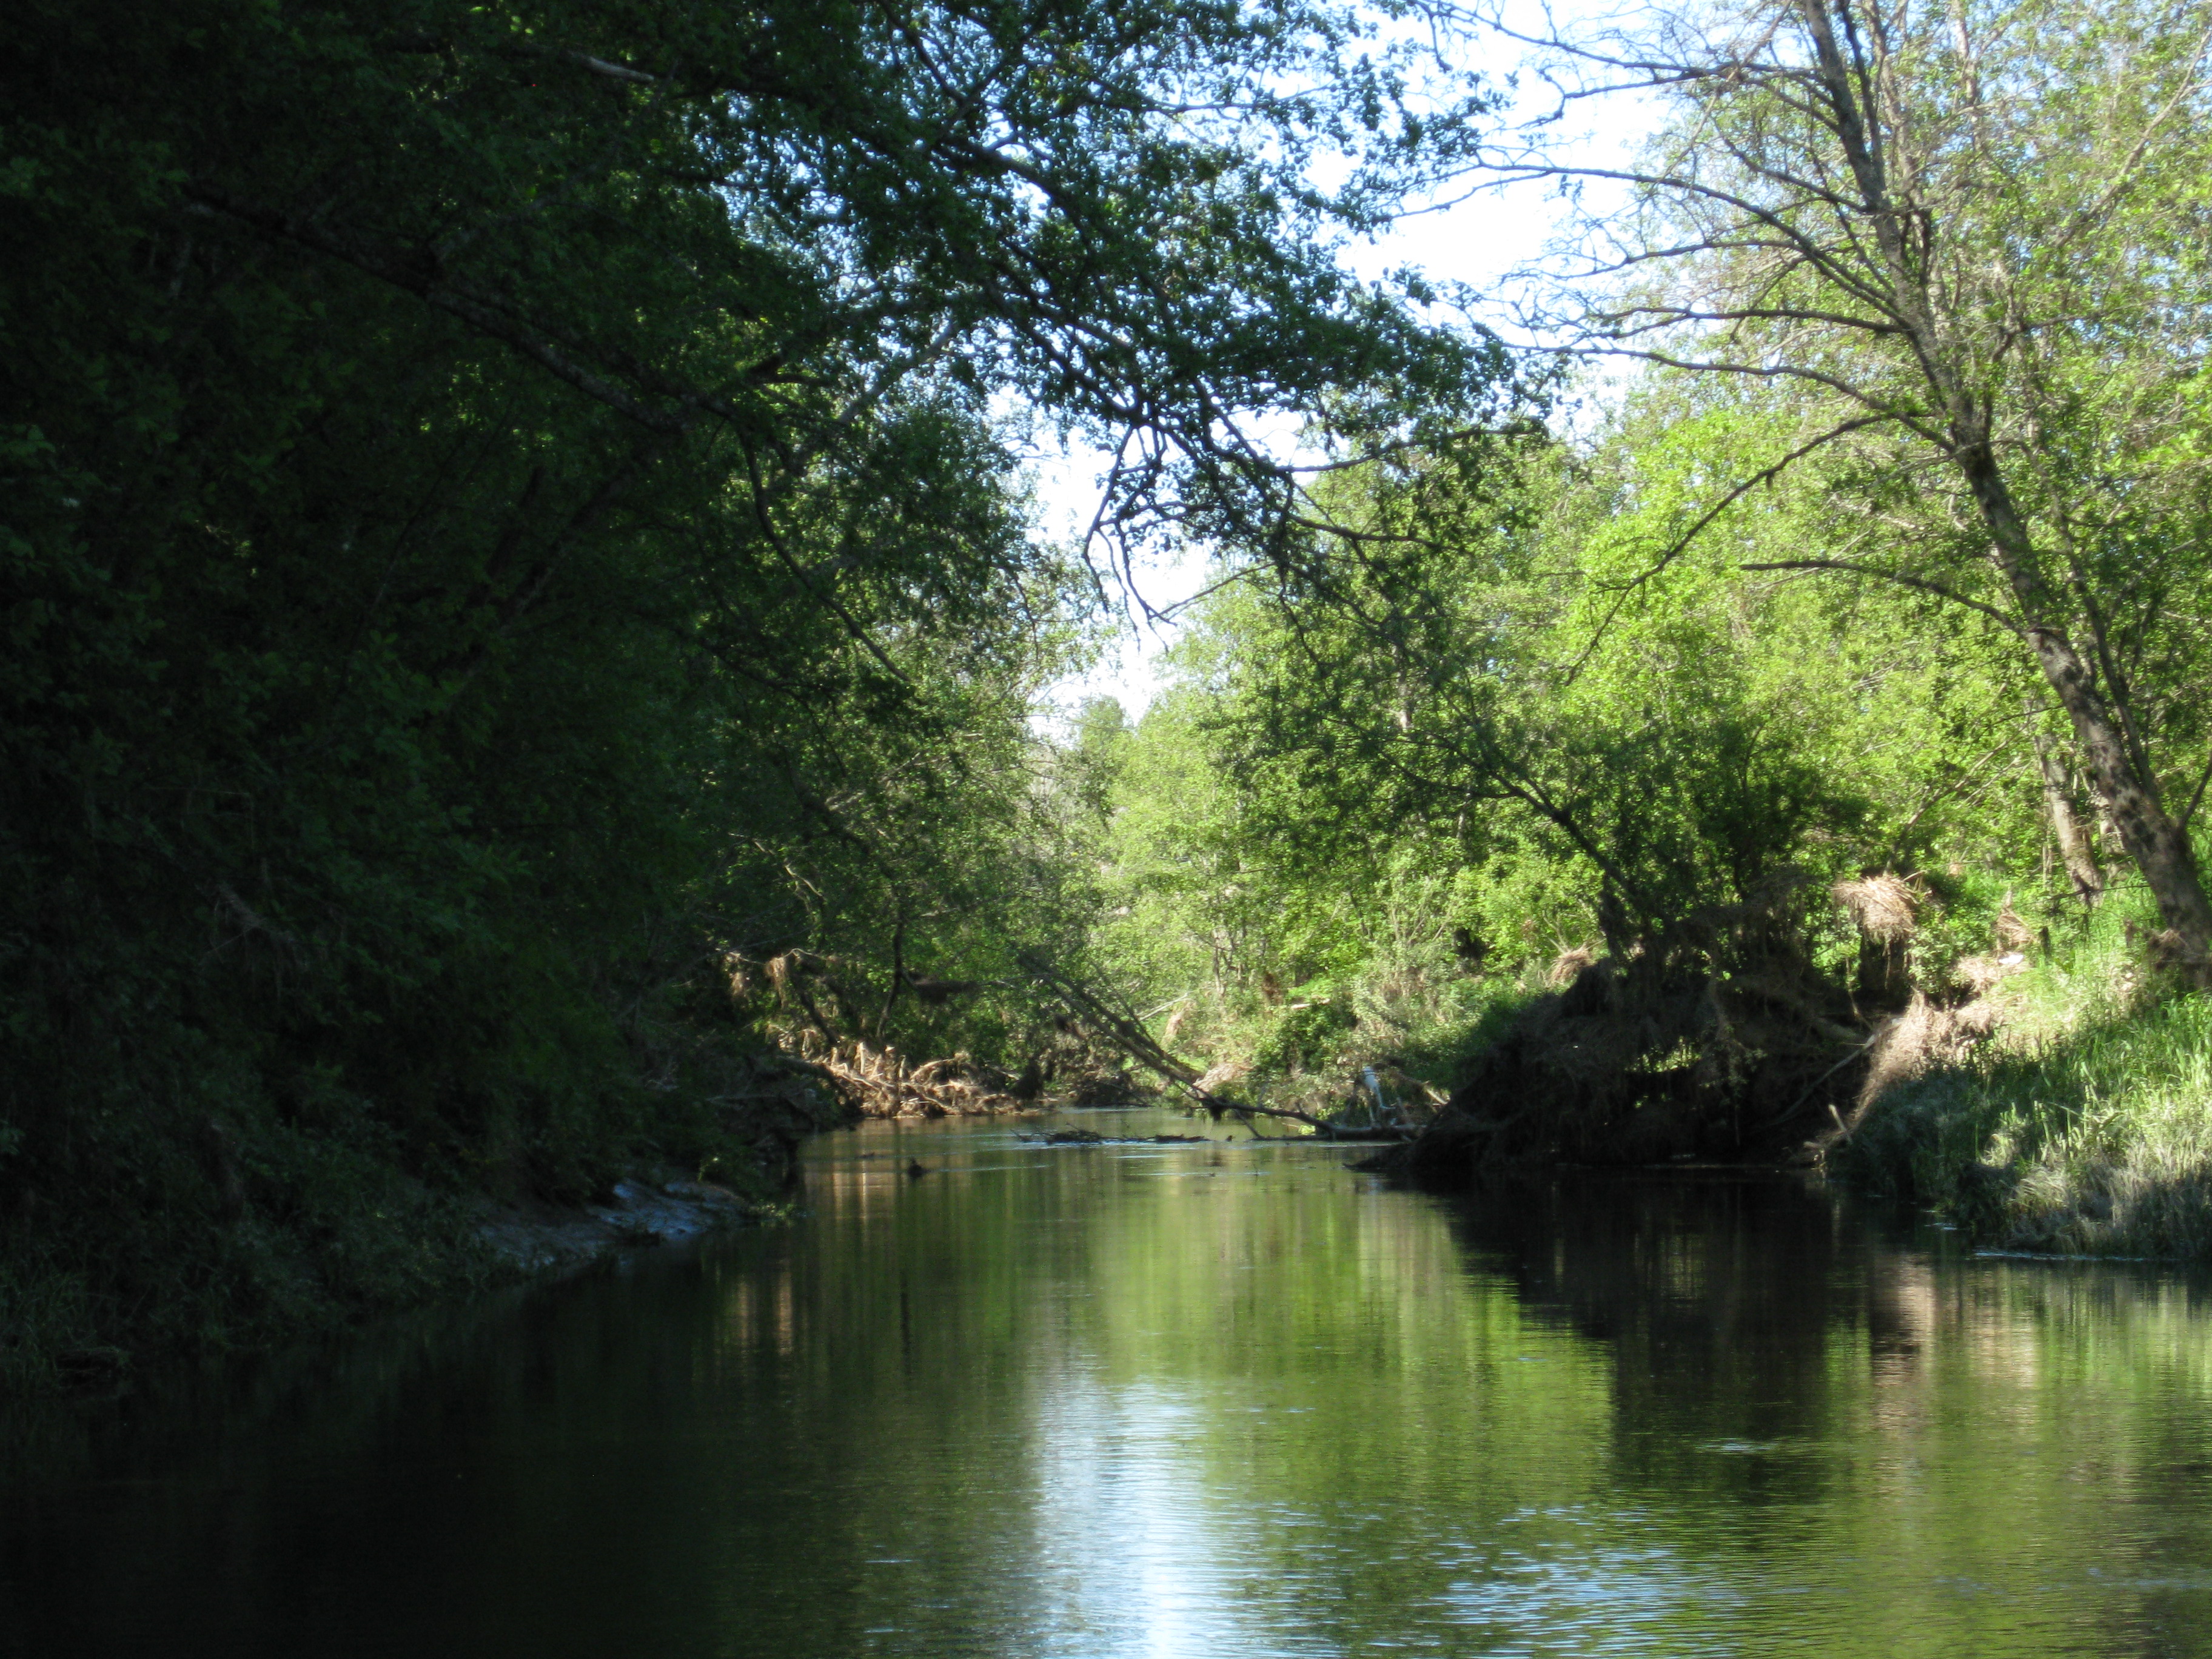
(512, 524)
(511, 516)
(1762, 630)
(1499, 713)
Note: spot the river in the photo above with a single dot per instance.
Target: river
(1223, 1402)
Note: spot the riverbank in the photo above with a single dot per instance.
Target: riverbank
(2057, 1099)
(2081, 1125)
(431, 1247)
(544, 1240)
(239, 1234)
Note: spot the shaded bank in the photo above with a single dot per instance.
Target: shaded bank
(254, 1234)
(2058, 1099)
(1722, 1037)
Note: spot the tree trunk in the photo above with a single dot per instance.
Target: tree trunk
(2158, 845)
(2074, 851)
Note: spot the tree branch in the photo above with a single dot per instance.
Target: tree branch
(1902, 581)
(1765, 475)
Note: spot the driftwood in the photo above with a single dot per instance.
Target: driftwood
(880, 1082)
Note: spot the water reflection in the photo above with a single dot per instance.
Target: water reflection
(1218, 1401)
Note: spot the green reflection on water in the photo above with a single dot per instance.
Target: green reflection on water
(1215, 1400)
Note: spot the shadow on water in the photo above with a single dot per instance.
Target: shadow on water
(332, 1388)
(1218, 1401)
(1781, 1320)
(1706, 1290)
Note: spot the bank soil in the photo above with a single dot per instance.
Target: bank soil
(1719, 1038)
(537, 1237)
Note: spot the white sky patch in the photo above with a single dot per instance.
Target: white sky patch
(1480, 238)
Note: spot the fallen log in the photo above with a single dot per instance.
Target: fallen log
(1128, 1033)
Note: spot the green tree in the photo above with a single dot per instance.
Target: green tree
(504, 509)
(1966, 244)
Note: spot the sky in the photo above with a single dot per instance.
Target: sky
(1478, 242)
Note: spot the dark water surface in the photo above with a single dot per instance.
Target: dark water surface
(1215, 1401)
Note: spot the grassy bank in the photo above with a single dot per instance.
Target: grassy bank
(2083, 1125)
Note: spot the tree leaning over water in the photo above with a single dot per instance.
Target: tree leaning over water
(1963, 247)
(506, 509)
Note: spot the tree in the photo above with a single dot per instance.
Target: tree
(1965, 245)
(1434, 680)
(503, 507)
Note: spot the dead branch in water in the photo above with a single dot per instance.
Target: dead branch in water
(880, 1082)
(1128, 1033)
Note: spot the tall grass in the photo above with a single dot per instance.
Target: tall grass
(2083, 1126)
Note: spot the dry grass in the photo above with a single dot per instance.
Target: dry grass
(1887, 908)
(1922, 1038)
(1567, 967)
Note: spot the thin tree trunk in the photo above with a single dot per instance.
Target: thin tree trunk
(2074, 851)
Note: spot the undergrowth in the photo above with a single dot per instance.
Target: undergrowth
(1415, 1012)
(2083, 1126)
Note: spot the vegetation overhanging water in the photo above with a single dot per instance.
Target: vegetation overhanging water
(528, 628)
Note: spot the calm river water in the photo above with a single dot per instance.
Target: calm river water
(1221, 1402)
